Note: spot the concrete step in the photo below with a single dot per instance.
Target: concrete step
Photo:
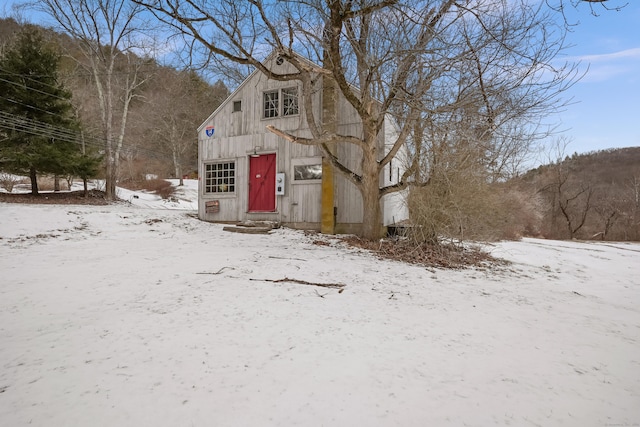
(247, 230)
(253, 227)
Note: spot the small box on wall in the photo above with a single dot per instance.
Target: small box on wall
(212, 206)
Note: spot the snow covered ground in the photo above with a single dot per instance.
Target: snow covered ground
(144, 316)
(185, 197)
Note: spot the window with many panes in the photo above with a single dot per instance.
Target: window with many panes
(220, 177)
(272, 105)
(289, 101)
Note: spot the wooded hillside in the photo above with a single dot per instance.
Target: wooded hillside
(588, 196)
(164, 111)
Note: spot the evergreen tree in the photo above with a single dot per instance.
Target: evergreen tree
(39, 129)
(86, 166)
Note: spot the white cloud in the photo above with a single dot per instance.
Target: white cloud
(623, 54)
(603, 67)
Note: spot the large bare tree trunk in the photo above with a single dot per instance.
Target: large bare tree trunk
(372, 216)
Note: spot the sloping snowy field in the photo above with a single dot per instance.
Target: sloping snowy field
(130, 316)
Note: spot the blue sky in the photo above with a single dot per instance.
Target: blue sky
(606, 113)
(605, 109)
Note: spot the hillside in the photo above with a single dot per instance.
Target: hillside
(588, 196)
(616, 165)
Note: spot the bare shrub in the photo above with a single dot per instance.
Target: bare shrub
(463, 207)
(160, 187)
(8, 181)
(522, 213)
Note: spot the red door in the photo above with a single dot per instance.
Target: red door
(262, 183)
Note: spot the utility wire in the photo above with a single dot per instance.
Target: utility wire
(32, 89)
(161, 154)
(43, 129)
(10, 121)
(32, 107)
(34, 127)
(86, 73)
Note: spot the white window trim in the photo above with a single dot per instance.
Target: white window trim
(280, 112)
(264, 104)
(220, 193)
(304, 161)
(297, 98)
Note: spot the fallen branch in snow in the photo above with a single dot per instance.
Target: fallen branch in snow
(302, 282)
(281, 257)
(216, 272)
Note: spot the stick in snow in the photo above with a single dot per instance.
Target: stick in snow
(217, 272)
(303, 282)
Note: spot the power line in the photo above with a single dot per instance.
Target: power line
(13, 122)
(32, 89)
(32, 107)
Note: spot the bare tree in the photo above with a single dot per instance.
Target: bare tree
(447, 58)
(595, 6)
(179, 102)
(632, 187)
(608, 213)
(574, 204)
(109, 36)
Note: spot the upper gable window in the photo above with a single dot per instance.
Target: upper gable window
(237, 106)
(271, 104)
(290, 101)
(272, 107)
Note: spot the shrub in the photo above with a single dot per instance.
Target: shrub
(160, 187)
(8, 181)
(463, 208)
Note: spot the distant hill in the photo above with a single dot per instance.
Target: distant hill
(594, 195)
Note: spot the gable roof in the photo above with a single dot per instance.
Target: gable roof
(245, 82)
(226, 101)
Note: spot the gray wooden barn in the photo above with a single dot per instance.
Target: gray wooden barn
(247, 173)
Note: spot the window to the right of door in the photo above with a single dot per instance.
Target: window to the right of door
(307, 170)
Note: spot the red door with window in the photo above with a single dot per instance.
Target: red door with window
(262, 183)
